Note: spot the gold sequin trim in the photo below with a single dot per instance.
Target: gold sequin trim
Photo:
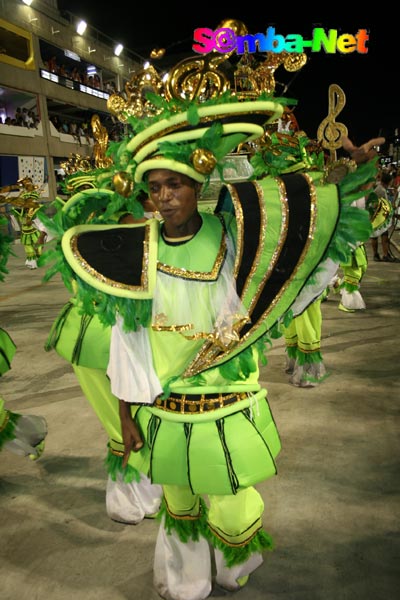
(184, 517)
(197, 275)
(254, 530)
(159, 325)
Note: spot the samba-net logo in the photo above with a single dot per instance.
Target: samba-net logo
(225, 40)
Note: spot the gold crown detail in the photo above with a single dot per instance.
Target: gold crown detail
(201, 78)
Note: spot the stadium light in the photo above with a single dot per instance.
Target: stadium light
(118, 49)
(81, 27)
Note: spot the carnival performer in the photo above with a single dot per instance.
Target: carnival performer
(350, 282)
(193, 301)
(25, 209)
(353, 270)
(382, 217)
(21, 434)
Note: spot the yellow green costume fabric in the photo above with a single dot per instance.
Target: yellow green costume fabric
(355, 269)
(303, 334)
(281, 230)
(275, 243)
(304, 362)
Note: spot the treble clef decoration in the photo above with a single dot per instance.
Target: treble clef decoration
(330, 133)
(196, 77)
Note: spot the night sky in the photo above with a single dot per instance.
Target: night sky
(368, 80)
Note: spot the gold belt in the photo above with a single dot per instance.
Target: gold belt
(198, 403)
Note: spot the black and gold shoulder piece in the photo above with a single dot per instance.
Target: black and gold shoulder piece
(120, 260)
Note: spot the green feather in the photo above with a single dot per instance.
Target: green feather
(186, 529)
(236, 555)
(114, 468)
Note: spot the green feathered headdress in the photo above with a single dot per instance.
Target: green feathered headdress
(192, 138)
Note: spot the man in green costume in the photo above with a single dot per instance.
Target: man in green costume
(193, 301)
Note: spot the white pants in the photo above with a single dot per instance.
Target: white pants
(132, 502)
(182, 571)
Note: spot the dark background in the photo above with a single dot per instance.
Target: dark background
(368, 80)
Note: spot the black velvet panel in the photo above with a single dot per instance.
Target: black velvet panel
(116, 254)
(299, 205)
(252, 223)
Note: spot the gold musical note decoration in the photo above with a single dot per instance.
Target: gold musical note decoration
(330, 133)
(197, 78)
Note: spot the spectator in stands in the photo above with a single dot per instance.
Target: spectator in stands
(110, 87)
(86, 132)
(75, 75)
(96, 81)
(73, 130)
(32, 119)
(18, 116)
(25, 118)
(52, 65)
(55, 120)
(80, 132)
(63, 71)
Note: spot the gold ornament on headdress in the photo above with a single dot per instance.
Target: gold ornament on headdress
(203, 161)
(201, 78)
(252, 78)
(79, 169)
(157, 53)
(330, 135)
(197, 78)
(100, 135)
(135, 103)
(238, 27)
(75, 163)
(330, 132)
(78, 172)
(123, 183)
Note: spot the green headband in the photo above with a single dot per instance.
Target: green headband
(196, 146)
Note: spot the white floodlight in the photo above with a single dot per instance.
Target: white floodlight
(118, 49)
(81, 27)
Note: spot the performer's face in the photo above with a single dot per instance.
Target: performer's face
(175, 197)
